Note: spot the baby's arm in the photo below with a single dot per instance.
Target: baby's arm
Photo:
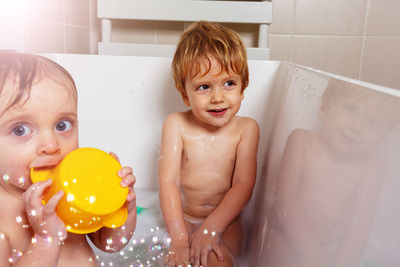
(109, 239)
(206, 238)
(170, 201)
(48, 231)
(359, 226)
(289, 213)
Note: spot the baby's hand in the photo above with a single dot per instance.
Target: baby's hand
(203, 241)
(43, 218)
(178, 255)
(128, 180)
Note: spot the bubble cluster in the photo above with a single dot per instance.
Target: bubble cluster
(14, 256)
(147, 247)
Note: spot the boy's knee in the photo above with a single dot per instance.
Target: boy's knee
(227, 262)
(232, 239)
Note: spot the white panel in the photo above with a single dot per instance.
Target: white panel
(187, 10)
(160, 50)
(132, 49)
(258, 12)
(257, 53)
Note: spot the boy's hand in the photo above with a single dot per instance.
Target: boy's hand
(43, 218)
(178, 255)
(203, 241)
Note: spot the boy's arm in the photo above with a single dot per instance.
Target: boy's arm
(287, 210)
(170, 200)
(359, 226)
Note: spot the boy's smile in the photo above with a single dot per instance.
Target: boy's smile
(218, 112)
(215, 97)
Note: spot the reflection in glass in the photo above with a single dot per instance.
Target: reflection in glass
(330, 180)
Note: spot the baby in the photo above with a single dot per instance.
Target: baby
(38, 128)
(329, 181)
(208, 161)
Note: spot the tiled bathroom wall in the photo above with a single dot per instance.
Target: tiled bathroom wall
(358, 38)
(48, 26)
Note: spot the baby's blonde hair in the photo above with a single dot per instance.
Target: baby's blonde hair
(201, 41)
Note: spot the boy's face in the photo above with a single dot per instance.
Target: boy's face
(38, 132)
(215, 98)
(351, 125)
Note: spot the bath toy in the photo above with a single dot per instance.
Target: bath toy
(93, 196)
(139, 209)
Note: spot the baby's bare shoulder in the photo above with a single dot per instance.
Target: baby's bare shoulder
(10, 206)
(13, 222)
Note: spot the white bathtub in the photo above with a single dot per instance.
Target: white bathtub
(123, 102)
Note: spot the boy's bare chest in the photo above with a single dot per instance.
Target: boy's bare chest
(328, 191)
(339, 178)
(209, 154)
(208, 161)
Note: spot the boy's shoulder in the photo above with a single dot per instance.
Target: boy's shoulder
(176, 118)
(300, 133)
(246, 120)
(247, 123)
(175, 122)
(301, 138)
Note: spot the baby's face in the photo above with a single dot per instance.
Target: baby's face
(215, 98)
(38, 132)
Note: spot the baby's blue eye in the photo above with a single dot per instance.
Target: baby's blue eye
(63, 126)
(21, 130)
(203, 87)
